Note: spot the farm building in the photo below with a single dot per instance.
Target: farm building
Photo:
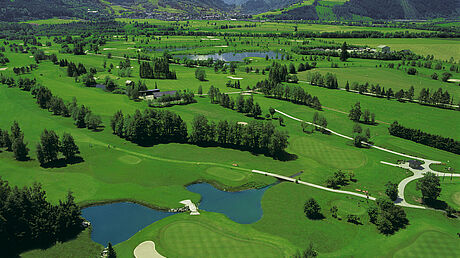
(384, 48)
(155, 93)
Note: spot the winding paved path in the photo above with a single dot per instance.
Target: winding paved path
(418, 173)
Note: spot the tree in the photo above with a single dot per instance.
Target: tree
(391, 190)
(256, 111)
(344, 54)
(446, 76)
(49, 146)
(68, 147)
(40, 154)
(281, 120)
(20, 149)
(93, 121)
(7, 143)
(200, 74)
(312, 209)
(200, 90)
(292, 69)
(357, 128)
(388, 217)
(15, 131)
(412, 71)
(430, 186)
(334, 211)
(111, 252)
(355, 112)
(310, 252)
(271, 111)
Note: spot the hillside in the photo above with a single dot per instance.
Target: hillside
(18, 10)
(366, 9)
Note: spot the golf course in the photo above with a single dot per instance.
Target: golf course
(252, 124)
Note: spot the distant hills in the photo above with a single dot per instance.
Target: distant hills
(17, 10)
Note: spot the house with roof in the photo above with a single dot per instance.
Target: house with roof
(384, 49)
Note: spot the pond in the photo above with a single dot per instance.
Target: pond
(243, 207)
(117, 222)
(232, 56)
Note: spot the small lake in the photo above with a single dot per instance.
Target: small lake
(232, 56)
(243, 207)
(117, 222)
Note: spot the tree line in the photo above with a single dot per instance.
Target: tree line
(295, 95)
(83, 117)
(242, 105)
(152, 127)
(158, 70)
(28, 220)
(418, 136)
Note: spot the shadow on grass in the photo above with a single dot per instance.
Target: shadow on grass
(61, 163)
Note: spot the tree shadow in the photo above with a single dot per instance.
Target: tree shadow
(435, 204)
(62, 162)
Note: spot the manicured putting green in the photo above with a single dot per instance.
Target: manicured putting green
(129, 159)
(456, 198)
(432, 244)
(328, 155)
(226, 173)
(349, 207)
(194, 239)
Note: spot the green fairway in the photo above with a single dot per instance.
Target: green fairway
(431, 244)
(189, 239)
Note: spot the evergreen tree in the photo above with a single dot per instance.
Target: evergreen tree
(344, 53)
(20, 149)
(68, 147)
(111, 252)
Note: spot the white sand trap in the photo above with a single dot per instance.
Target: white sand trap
(147, 250)
(108, 48)
(234, 78)
(131, 48)
(3, 69)
(220, 46)
(246, 94)
(453, 80)
(243, 123)
(31, 56)
(191, 206)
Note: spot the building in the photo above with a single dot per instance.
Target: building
(384, 49)
(155, 93)
(415, 164)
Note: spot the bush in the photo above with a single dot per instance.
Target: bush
(312, 209)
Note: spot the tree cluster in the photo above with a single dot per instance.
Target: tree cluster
(339, 179)
(388, 217)
(158, 70)
(28, 220)
(180, 98)
(295, 95)
(14, 142)
(328, 81)
(256, 136)
(418, 136)
(50, 146)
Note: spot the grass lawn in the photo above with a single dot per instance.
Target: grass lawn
(83, 243)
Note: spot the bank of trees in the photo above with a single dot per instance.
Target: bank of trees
(159, 69)
(256, 136)
(356, 114)
(28, 220)
(295, 95)
(50, 146)
(388, 217)
(240, 104)
(154, 127)
(418, 136)
(179, 98)
(327, 81)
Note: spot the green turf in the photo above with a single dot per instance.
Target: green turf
(432, 244)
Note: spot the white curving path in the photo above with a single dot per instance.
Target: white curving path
(418, 173)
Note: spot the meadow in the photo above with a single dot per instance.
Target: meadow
(118, 170)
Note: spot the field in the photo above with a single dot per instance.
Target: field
(114, 169)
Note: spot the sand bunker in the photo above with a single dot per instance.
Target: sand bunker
(3, 69)
(147, 250)
(234, 78)
(108, 48)
(220, 46)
